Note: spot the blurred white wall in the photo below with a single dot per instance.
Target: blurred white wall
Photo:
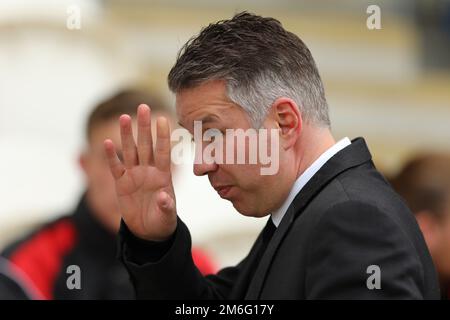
(48, 83)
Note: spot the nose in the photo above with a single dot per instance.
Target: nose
(201, 169)
(204, 162)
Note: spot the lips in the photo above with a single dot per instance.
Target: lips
(223, 191)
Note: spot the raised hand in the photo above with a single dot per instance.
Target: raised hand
(143, 180)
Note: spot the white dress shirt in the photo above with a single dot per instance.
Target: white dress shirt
(303, 179)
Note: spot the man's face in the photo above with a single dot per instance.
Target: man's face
(101, 195)
(251, 193)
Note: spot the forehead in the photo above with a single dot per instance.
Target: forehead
(207, 102)
(105, 129)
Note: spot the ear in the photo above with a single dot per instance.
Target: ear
(82, 161)
(288, 119)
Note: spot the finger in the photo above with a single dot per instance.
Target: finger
(144, 138)
(129, 150)
(116, 167)
(162, 151)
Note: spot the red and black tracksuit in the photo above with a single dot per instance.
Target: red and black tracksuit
(42, 258)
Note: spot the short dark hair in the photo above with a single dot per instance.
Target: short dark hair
(123, 102)
(260, 62)
(424, 183)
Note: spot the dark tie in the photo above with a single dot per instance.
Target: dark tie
(268, 232)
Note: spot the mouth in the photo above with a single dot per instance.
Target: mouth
(223, 191)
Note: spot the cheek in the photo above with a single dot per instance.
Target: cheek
(101, 177)
(246, 176)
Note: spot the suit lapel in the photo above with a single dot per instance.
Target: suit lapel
(354, 155)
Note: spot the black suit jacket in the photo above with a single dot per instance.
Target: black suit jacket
(345, 219)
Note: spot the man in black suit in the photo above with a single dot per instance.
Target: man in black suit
(336, 228)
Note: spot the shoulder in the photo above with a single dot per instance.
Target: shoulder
(39, 255)
(362, 194)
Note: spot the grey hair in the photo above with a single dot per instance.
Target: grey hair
(259, 61)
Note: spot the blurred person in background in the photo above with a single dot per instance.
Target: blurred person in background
(86, 238)
(424, 183)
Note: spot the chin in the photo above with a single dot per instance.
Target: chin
(247, 210)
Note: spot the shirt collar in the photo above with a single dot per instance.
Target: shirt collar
(303, 179)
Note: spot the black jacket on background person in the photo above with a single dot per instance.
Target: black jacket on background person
(11, 287)
(77, 239)
(346, 220)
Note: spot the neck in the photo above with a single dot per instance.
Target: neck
(106, 221)
(313, 143)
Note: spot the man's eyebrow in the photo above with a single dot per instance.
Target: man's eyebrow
(208, 118)
(205, 119)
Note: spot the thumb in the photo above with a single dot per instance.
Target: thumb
(165, 202)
